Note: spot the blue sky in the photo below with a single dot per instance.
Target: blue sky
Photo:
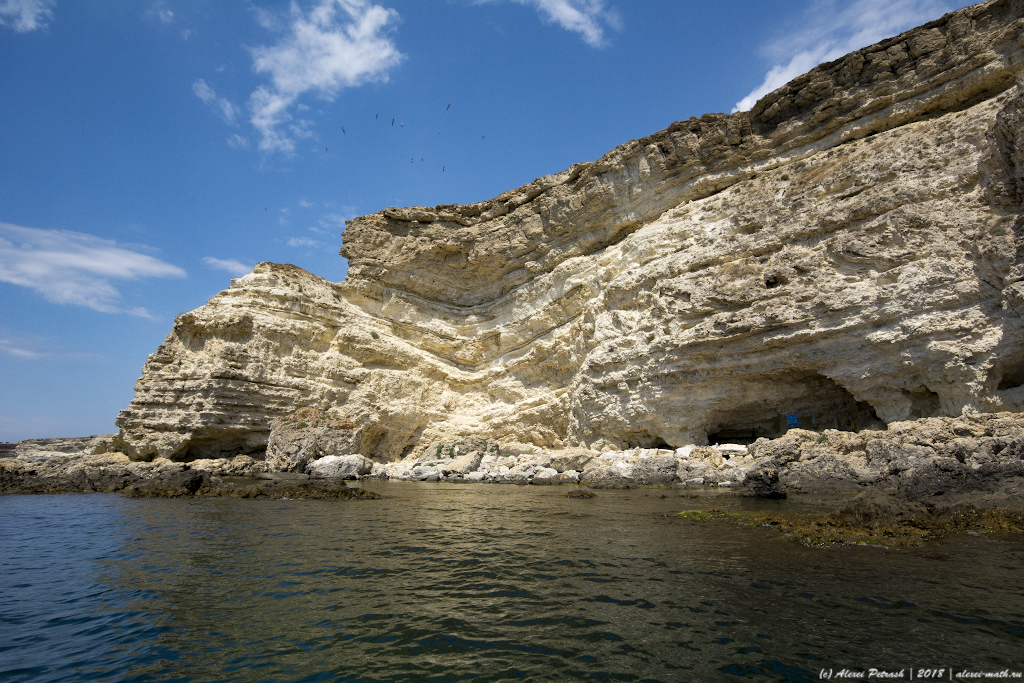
(150, 151)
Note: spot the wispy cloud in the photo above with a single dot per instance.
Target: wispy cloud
(329, 223)
(36, 348)
(203, 91)
(74, 268)
(304, 242)
(26, 15)
(589, 18)
(20, 348)
(830, 29)
(337, 44)
(236, 268)
(236, 141)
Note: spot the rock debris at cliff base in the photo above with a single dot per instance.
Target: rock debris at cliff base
(976, 459)
(848, 252)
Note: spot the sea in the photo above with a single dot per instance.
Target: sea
(445, 582)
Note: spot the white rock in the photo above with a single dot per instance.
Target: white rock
(424, 473)
(343, 466)
(545, 475)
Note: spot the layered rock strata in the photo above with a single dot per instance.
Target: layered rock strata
(847, 252)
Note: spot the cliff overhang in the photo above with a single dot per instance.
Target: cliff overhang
(848, 252)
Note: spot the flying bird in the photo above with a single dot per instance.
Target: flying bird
(449, 107)
(392, 122)
(442, 168)
(482, 137)
(343, 130)
(402, 125)
(376, 116)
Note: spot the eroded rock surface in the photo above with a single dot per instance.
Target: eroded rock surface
(847, 252)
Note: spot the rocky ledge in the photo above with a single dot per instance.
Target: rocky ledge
(977, 458)
(86, 465)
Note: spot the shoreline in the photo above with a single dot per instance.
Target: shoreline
(974, 459)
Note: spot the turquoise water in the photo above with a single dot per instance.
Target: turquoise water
(482, 583)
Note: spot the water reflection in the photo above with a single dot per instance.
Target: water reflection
(446, 583)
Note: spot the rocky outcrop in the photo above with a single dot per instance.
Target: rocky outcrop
(83, 465)
(846, 253)
(976, 459)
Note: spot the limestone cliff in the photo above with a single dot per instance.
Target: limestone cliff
(847, 251)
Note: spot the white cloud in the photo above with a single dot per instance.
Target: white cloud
(204, 92)
(585, 17)
(304, 242)
(830, 29)
(232, 266)
(166, 16)
(25, 15)
(74, 268)
(337, 44)
(589, 18)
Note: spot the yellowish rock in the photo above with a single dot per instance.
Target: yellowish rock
(847, 252)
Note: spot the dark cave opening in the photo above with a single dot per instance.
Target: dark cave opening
(806, 401)
(223, 446)
(645, 440)
(923, 402)
(1011, 375)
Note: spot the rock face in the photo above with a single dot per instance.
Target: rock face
(848, 252)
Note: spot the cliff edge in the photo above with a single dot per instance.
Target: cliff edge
(848, 252)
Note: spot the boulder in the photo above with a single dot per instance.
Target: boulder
(463, 464)
(571, 460)
(546, 475)
(655, 470)
(340, 466)
(762, 481)
(291, 447)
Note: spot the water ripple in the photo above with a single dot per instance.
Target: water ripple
(474, 583)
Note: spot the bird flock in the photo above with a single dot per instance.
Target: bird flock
(402, 125)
